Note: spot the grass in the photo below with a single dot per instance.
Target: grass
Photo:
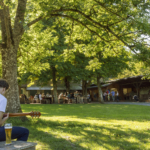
(88, 127)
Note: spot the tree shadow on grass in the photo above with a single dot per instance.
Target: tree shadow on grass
(94, 111)
(107, 137)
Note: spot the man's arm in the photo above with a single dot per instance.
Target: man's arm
(2, 120)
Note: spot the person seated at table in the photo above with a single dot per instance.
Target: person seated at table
(72, 96)
(68, 97)
(66, 93)
(88, 97)
(40, 97)
(43, 95)
(47, 95)
(36, 97)
(135, 97)
(60, 97)
(76, 95)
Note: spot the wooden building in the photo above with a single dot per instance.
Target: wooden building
(126, 87)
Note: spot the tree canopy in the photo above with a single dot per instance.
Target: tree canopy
(110, 27)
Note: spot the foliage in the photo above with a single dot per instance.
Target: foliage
(89, 26)
(136, 68)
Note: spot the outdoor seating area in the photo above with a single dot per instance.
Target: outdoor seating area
(62, 99)
(76, 100)
(75, 75)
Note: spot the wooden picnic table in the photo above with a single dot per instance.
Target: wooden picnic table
(50, 99)
(45, 99)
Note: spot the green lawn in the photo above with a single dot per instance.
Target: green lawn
(88, 127)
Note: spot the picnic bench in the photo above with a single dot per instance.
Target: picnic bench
(18, 145)
(79, 99)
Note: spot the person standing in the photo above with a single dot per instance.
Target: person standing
(78, 98)
(19, 133)
(40, 97)
(117, 94)
(88, 97)
(135, 97)
(76, 95)
(113, 95)
(104, 96)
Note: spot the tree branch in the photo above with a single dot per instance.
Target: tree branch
(34, 21)
(103, 5)
(19, 20)
(118, 38)
(118, 21)
(86, 16)
(59, 15)
(6, 29)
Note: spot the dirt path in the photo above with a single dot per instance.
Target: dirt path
(130, 103)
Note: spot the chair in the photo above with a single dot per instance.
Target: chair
(47, 101)
(78, 99)
(81, 100)
(43, 101)
(85, 99)
(74, 101)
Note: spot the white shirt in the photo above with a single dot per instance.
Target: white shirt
(60, 95)
(40, 96)
(105, 94)
(117, 94)
(3, 103)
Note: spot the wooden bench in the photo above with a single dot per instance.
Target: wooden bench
(18, 145)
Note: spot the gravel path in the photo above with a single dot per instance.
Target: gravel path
(130, 103)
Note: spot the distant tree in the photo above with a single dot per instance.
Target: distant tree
(115, 23)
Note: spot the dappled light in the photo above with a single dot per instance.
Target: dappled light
(75, 127)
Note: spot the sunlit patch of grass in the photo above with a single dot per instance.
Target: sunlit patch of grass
(88, 127)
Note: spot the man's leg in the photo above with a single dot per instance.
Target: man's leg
(113, 97)
(2, 134)
(20, 133)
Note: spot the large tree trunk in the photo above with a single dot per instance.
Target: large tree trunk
(54, 85)
(100, 94)
(84, 87)
(67, 84)
(9, 47)
(85, 84)
(9, 71)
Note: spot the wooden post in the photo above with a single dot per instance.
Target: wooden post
(137, 86)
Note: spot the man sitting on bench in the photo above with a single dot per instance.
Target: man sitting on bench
(19, 133)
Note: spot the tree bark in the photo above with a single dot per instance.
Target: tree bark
(54, 85)
(9, 72)
(67, 84)
(9, 59)
(100, 94)
(84, 87)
